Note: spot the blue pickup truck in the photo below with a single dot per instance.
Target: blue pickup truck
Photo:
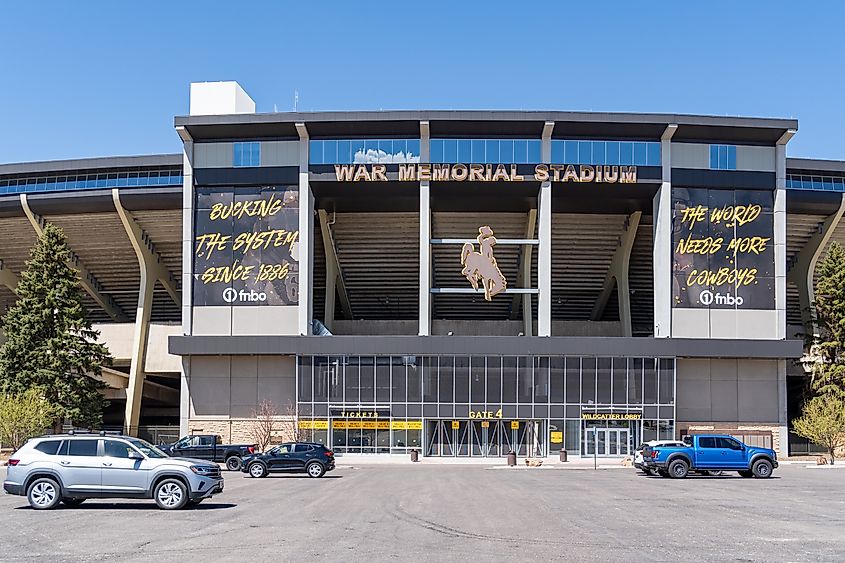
(710, 452)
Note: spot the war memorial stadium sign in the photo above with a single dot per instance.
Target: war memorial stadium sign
(414, 172)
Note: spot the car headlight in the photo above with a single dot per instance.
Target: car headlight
(204, 470)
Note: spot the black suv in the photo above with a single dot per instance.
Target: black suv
(298, 457)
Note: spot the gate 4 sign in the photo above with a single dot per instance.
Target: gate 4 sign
(485, 414)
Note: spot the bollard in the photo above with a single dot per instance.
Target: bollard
(415, 455)
(563, 455)
(511, 458)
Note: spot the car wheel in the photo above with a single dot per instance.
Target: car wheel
(171, 494)
(72, 502)
(234, 463)
(762, 469)
(43, 494)
(257, 470)
(746, 474)
(314, 469)
(678, 469)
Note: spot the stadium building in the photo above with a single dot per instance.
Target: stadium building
(466, 283)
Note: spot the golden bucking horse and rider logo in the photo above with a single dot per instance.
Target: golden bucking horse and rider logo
(481, 266)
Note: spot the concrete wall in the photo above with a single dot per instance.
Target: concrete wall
(118, 338)
(219, 98)
(221, 155)
(728, 390)
(697, 156)
(718, 394)
(724, 323)
(226, 387)
(245, 321)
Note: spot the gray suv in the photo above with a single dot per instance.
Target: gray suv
(70, 468)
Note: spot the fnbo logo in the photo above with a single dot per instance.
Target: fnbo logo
(707, 297)
(231, 295)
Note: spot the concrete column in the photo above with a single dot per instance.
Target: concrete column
(135, 390)
(544, 235)
(662, 249)
(424, 326)
(780, 232)
(306, 235)
(187, 270)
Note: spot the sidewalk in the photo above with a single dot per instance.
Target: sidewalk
(351, 460)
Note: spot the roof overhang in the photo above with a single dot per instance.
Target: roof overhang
(480, 123)
(104, 164)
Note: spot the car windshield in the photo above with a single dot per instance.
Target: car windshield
(148, 449)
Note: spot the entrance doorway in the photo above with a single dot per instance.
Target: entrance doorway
(606, 442)
(485, 438)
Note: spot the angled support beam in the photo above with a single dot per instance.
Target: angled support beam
(524, 278)
(151, 270)
(86, 278)
(145, 250)
(334, 274)
(617, 275)
(8, 278)
(803, 266)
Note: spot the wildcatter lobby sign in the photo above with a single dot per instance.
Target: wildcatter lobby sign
(487, 173)
(245, 246)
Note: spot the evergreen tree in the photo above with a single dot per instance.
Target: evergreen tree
(829, 345)
(50, 345)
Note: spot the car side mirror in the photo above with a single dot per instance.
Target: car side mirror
(135, 455)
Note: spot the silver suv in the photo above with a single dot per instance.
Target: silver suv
(70, 468)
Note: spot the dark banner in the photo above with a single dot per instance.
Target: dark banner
(245, 246)
(723, 244)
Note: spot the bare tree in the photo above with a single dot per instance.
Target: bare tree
(268, 424)
(289, 425)
(261, 428)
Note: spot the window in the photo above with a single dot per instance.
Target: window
(723, 157)
(482, 151)
(301, 448)
(115, 448)
(283, 449)
(49, 447)
(247, 154)
(639, 153)
(82, 447)
(728, 443)
(363, 151)
(707, 442)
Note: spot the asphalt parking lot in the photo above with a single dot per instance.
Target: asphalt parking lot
(455, 513)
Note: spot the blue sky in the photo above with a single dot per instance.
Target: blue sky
(82, 79)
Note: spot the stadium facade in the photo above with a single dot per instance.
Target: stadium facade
(465, 283)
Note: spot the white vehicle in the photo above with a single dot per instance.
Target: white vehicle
(638, 455)
(70, 468)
